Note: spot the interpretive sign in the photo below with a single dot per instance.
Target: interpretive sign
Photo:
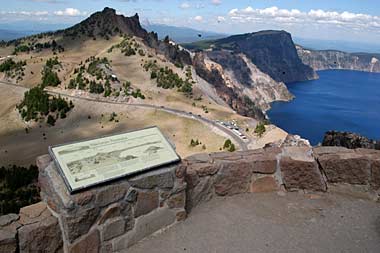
(88, 163)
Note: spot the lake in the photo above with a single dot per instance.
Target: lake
(339, 100)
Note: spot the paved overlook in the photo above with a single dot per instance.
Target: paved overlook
(268, 222)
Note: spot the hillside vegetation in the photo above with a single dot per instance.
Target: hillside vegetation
(18, 188)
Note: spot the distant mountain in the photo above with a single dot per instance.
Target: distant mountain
(7, 35)
(182, 34)
(334, 59)
(16, 30)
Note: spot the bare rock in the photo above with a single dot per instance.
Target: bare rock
(111, 193)
(43, 161)
(181, 215)
(204, 169)
(300, 171)
(41, 232)
(264, 184)
(8, 219)
(233, 178)
(89, 244)
(344, 166)
(8, 242)
(162, 178)
(113, 229)
(34, 213)
(375, 176)
(146, 202)
(79, 223)
(202, 191)
(8, 233)
(177, 200)
(110, 212)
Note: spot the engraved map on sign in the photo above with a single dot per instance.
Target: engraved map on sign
(88, 163)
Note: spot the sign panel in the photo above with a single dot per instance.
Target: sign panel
(88, 163)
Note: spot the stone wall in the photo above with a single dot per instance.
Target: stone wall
(35, 229)
(254, 171)
(348, 166)
(114, 216)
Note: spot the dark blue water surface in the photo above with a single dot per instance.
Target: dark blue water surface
(339, 100)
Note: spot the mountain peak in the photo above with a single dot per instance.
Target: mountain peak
(106, 24)
(109, 10)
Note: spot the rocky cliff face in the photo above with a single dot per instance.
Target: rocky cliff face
(273, 52)
(238, 73)
(214, 74)
(349, 140)
(332, 59)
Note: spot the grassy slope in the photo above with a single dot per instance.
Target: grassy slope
(15, 143)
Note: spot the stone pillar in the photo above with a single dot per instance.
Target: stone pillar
(114, 216)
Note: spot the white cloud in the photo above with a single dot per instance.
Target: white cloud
(294, 16)
(198, 18)
(185, 5)
(216, 2)
(71, 12)
(25, 13)
(220, 19)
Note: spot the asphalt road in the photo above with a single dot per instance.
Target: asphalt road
(227, 131)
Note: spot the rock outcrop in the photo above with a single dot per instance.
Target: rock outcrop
(215, 75)
(349, 140)
(273, 52)
(333, 59)
(107, 23)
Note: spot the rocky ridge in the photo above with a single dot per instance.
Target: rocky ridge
(349, 140)
(333, 59)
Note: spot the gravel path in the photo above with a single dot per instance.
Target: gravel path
(272, 223)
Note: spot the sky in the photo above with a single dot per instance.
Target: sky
(347, 20)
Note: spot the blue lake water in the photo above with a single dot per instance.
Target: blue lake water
(339, 100)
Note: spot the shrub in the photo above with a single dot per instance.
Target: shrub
(38, 104)
(260, 129)
(194, 143)
(141, 52)
(96, 87)
(50, 120)
(10, 64)
(50, 78)
(228, 145)
(50, 63)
